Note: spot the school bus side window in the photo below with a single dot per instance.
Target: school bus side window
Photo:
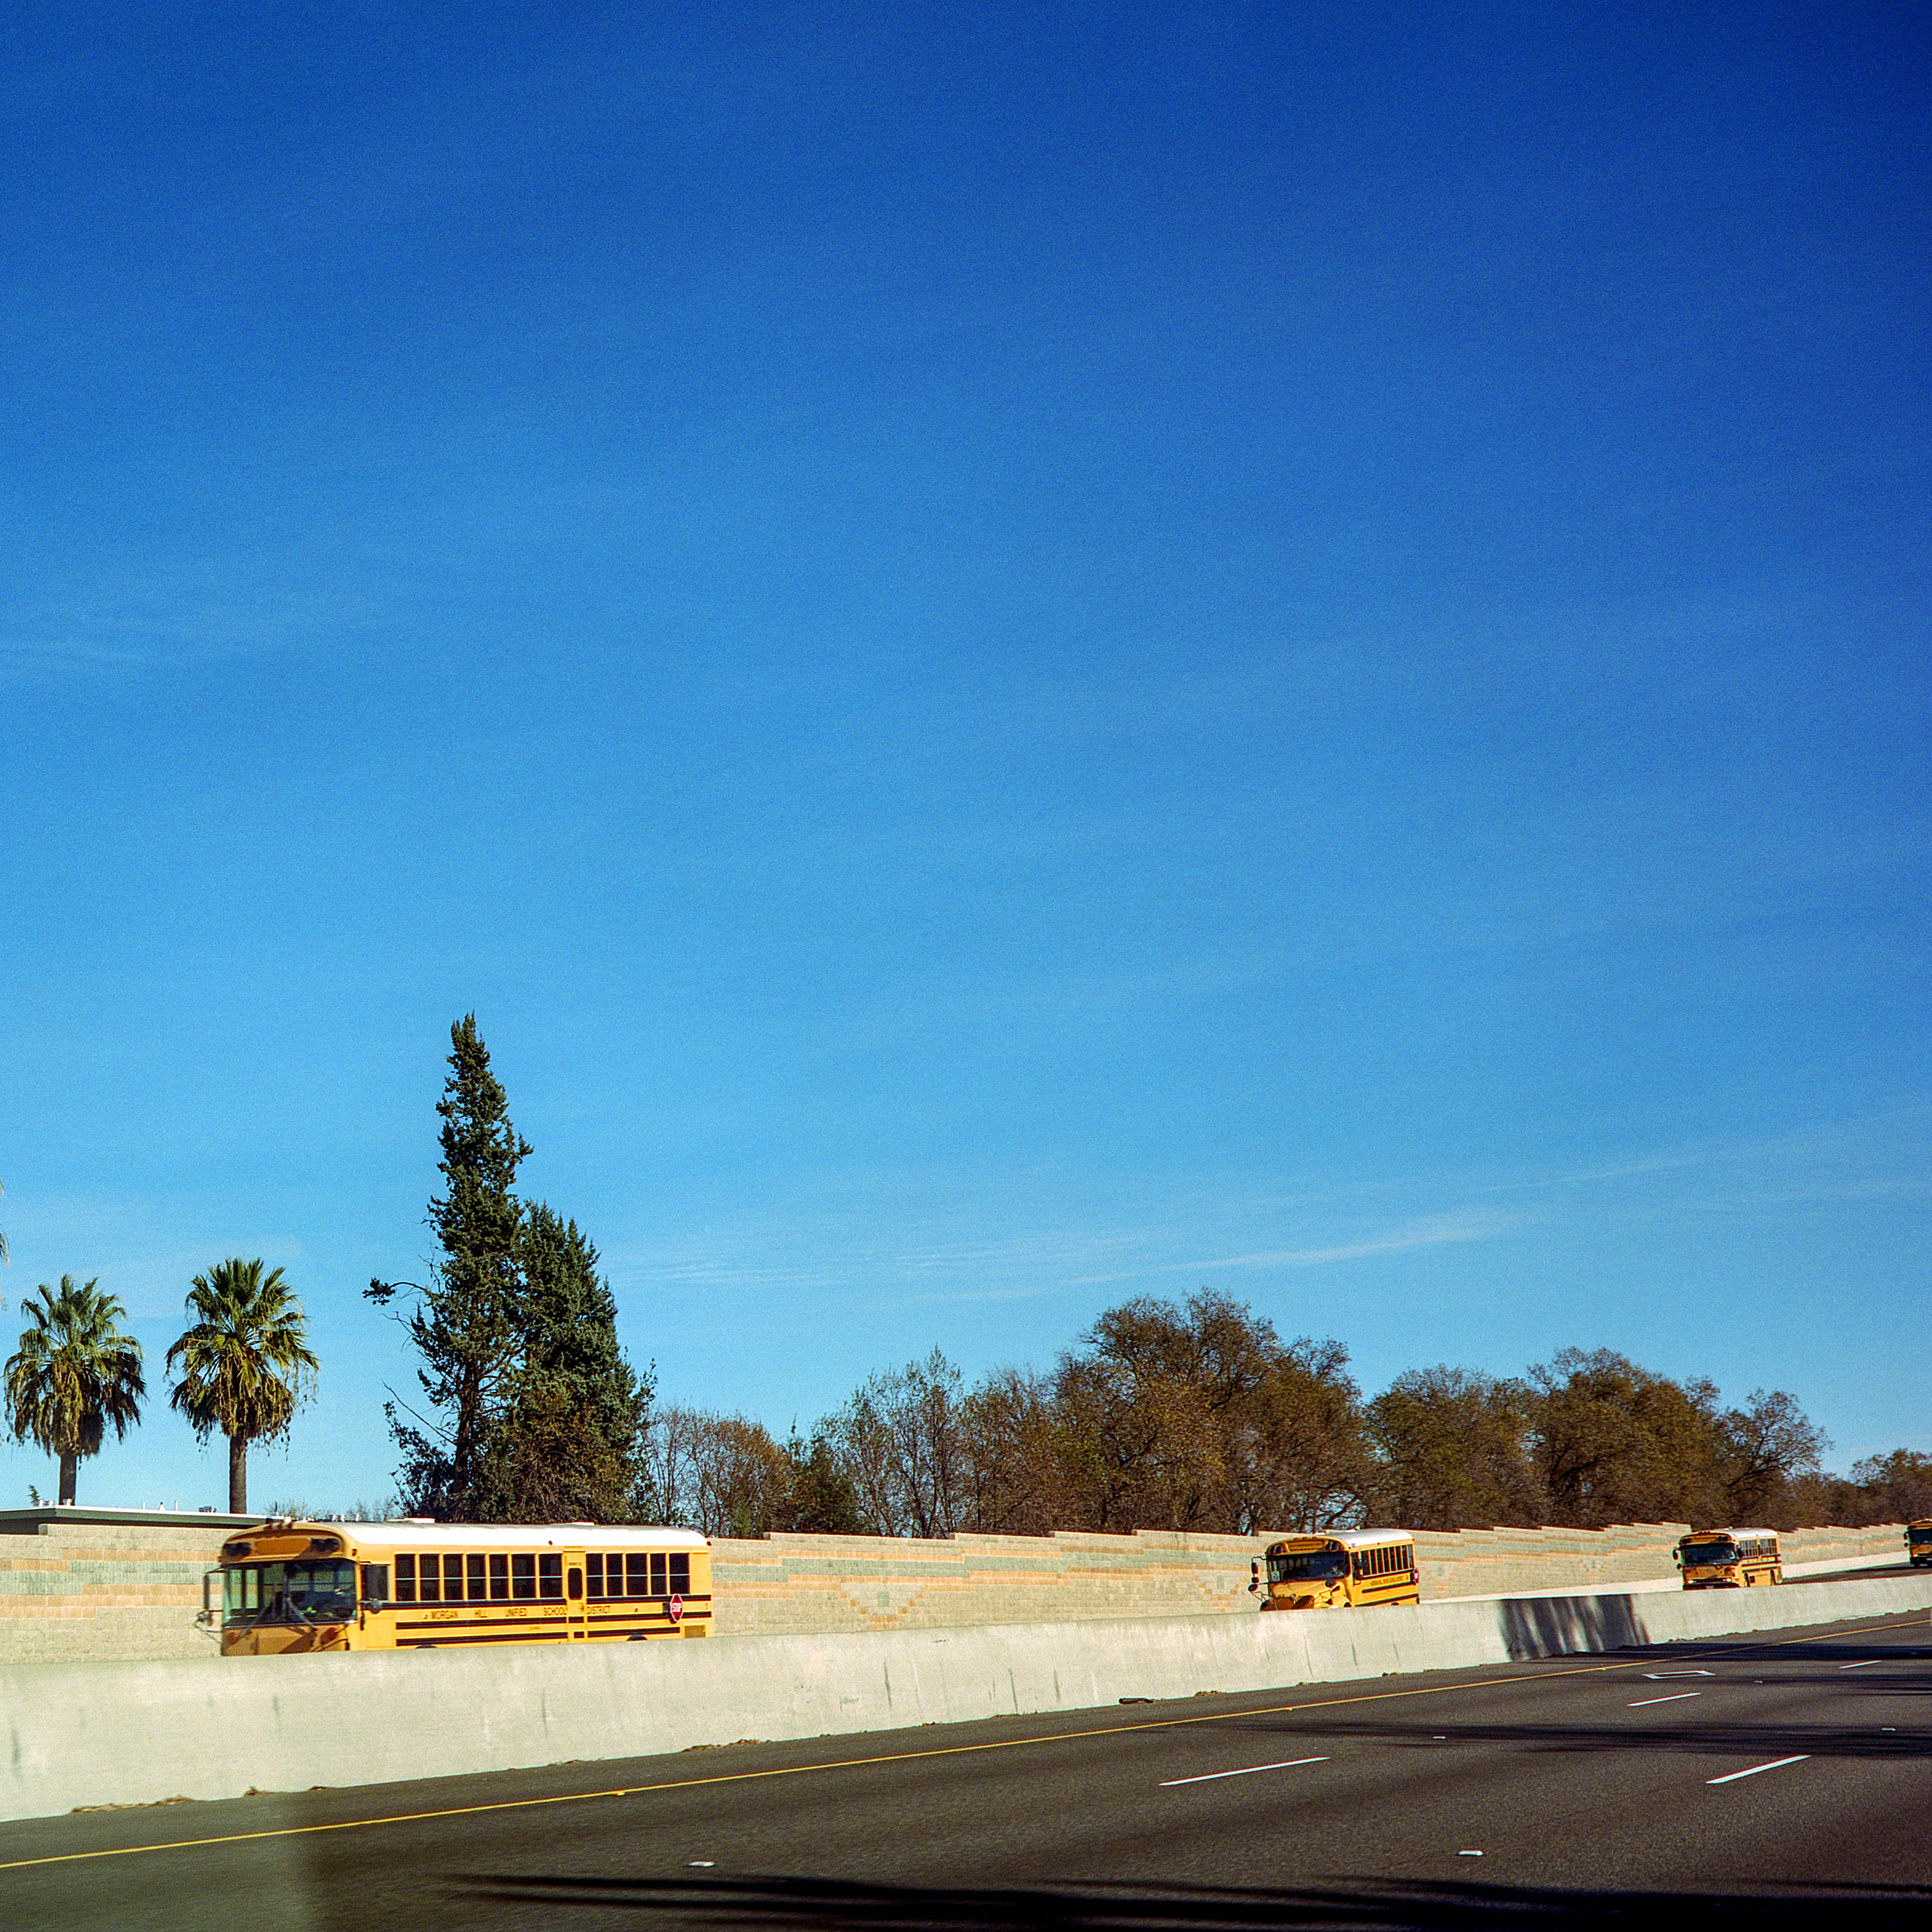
(523, 1576)
(680, 1573)
(405, 1578)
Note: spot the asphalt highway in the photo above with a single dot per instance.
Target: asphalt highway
(1772, 1778)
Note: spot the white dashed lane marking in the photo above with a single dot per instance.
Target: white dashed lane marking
(1733, 1777)
(1247, 1771)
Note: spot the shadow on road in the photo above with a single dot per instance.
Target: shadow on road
(1744, 1742)
(1818, 1650)
(824, 1903)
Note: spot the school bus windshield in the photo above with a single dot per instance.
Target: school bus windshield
(1710, 1552)
(309, 1592)
(1317, 1566)
(1920, 1535)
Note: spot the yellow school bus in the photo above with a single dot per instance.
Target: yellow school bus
(1918, 1542)
(302, 1586)
(1729, 1559)
(1341, 1570)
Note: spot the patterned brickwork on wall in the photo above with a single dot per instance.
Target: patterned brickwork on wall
(801, 1583)
(1486, 1562)
(1837, 1545)
(781, 1584)
(79, 1591)
(82, 1590)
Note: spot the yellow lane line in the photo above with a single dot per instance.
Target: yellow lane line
(858, 1764)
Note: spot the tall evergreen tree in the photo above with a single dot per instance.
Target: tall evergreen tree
(534, 1415)
(565, 1443)
(464, 1324)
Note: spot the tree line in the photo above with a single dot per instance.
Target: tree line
(1197, 1416)
(1191, 1415)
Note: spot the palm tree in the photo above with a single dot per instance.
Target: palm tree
(74, 1373)
(242, 1363)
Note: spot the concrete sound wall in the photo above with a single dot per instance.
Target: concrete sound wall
(787, 1585)
(104, 1734)
(802, 1584)
(1488, 1562)
(125, 1584)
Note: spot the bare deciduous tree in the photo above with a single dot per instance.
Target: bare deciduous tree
(723, 1475)
(903, 1437)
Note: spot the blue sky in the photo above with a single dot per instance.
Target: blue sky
(1017, 655)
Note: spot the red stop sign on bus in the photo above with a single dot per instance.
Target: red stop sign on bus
(677, 1608)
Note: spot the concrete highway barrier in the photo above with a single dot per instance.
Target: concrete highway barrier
(107, 1734)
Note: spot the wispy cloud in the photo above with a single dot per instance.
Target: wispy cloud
(1468, 1224)
(187, 613)
(978, 1294)
(1632, 1169)
(809, 1259)
(1883, 1154)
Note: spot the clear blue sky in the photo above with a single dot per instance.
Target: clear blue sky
(1017, 655)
